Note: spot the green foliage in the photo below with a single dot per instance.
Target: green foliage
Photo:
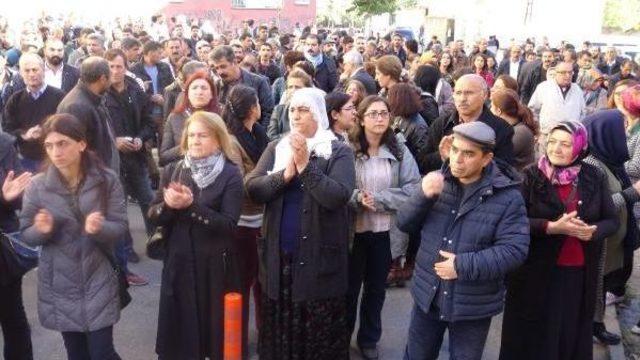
(622, 15)
(379, 7)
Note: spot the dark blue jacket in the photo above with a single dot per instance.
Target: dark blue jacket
(327, 74)
(487, 229)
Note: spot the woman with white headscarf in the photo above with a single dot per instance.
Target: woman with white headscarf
(305, 181)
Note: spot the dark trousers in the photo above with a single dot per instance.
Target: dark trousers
(466, 338)
(617, 280)
(15, 328)
(369, 264)
(94, 345)
(248, 251)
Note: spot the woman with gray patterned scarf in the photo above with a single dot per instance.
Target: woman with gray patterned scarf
(198, 206)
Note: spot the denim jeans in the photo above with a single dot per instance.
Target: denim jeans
(369, 264)
(134, 177)
(466, 338)
(93, 345)
(15, 328)
(135, 180)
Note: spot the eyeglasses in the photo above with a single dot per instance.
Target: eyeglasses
(349, 108)
(377, 114)
(564, 72)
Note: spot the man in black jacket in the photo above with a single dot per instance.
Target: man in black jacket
(326, 71)
(130, 118)
(85, 102)
(532, 74)
(224, 61)
(353, 65)
(513, 64)
(157, 76)
(469, 95)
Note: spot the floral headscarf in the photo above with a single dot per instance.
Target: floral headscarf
(564, 175)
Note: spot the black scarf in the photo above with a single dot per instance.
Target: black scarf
(253, 142)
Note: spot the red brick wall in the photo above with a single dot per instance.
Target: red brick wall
(220, 12)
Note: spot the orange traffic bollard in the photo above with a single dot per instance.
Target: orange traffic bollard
(233, 326)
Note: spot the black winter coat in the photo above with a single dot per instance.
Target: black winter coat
(444, 126)
(527, 287)
(165, 78)
(430, 111)
(327, 74)
(201, 264)
(414, 130)
(320, 264)
(530, 75)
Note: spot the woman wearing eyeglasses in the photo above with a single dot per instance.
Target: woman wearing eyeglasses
(342, 114)
(385, 173)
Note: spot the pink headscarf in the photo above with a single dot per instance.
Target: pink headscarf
(631, 100)
(564, 175)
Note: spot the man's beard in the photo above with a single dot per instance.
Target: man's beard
(54, 60)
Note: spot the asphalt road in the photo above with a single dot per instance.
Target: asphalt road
(136, 332)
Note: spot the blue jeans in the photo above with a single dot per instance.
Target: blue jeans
(369, 264)
(466, 338)
(134, 177)
(93, 345)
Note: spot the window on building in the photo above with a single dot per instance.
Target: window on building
(257, 4)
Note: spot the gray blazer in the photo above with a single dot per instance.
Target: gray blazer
(172, 134)
(77, 286)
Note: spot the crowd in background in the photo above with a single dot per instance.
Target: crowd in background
(313, 169)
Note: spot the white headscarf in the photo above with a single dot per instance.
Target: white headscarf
(320, 143)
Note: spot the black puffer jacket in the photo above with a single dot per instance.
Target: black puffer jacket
(430, 111)
(414, 131)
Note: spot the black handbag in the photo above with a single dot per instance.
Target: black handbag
(16, 258)
(157, 243)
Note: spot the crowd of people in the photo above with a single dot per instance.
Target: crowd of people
(314, 170)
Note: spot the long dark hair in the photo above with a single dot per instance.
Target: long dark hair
(508, 101)
(388, 138)
(240, 101)
(334, 102)
(69, 125)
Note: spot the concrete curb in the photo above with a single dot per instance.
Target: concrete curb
(611, 322)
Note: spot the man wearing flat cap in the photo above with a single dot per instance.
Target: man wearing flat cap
(474, 229)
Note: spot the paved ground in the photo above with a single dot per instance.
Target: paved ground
(136, 331)
(629, 312)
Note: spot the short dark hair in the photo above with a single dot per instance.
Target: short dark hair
(244, 36)
(111, 54)
(347, 39)
(426, 78)
(412, 45)
(129, 43)
(584, 53)
(150, 46)
(223, 52)
(291, 57)
(93, 68)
